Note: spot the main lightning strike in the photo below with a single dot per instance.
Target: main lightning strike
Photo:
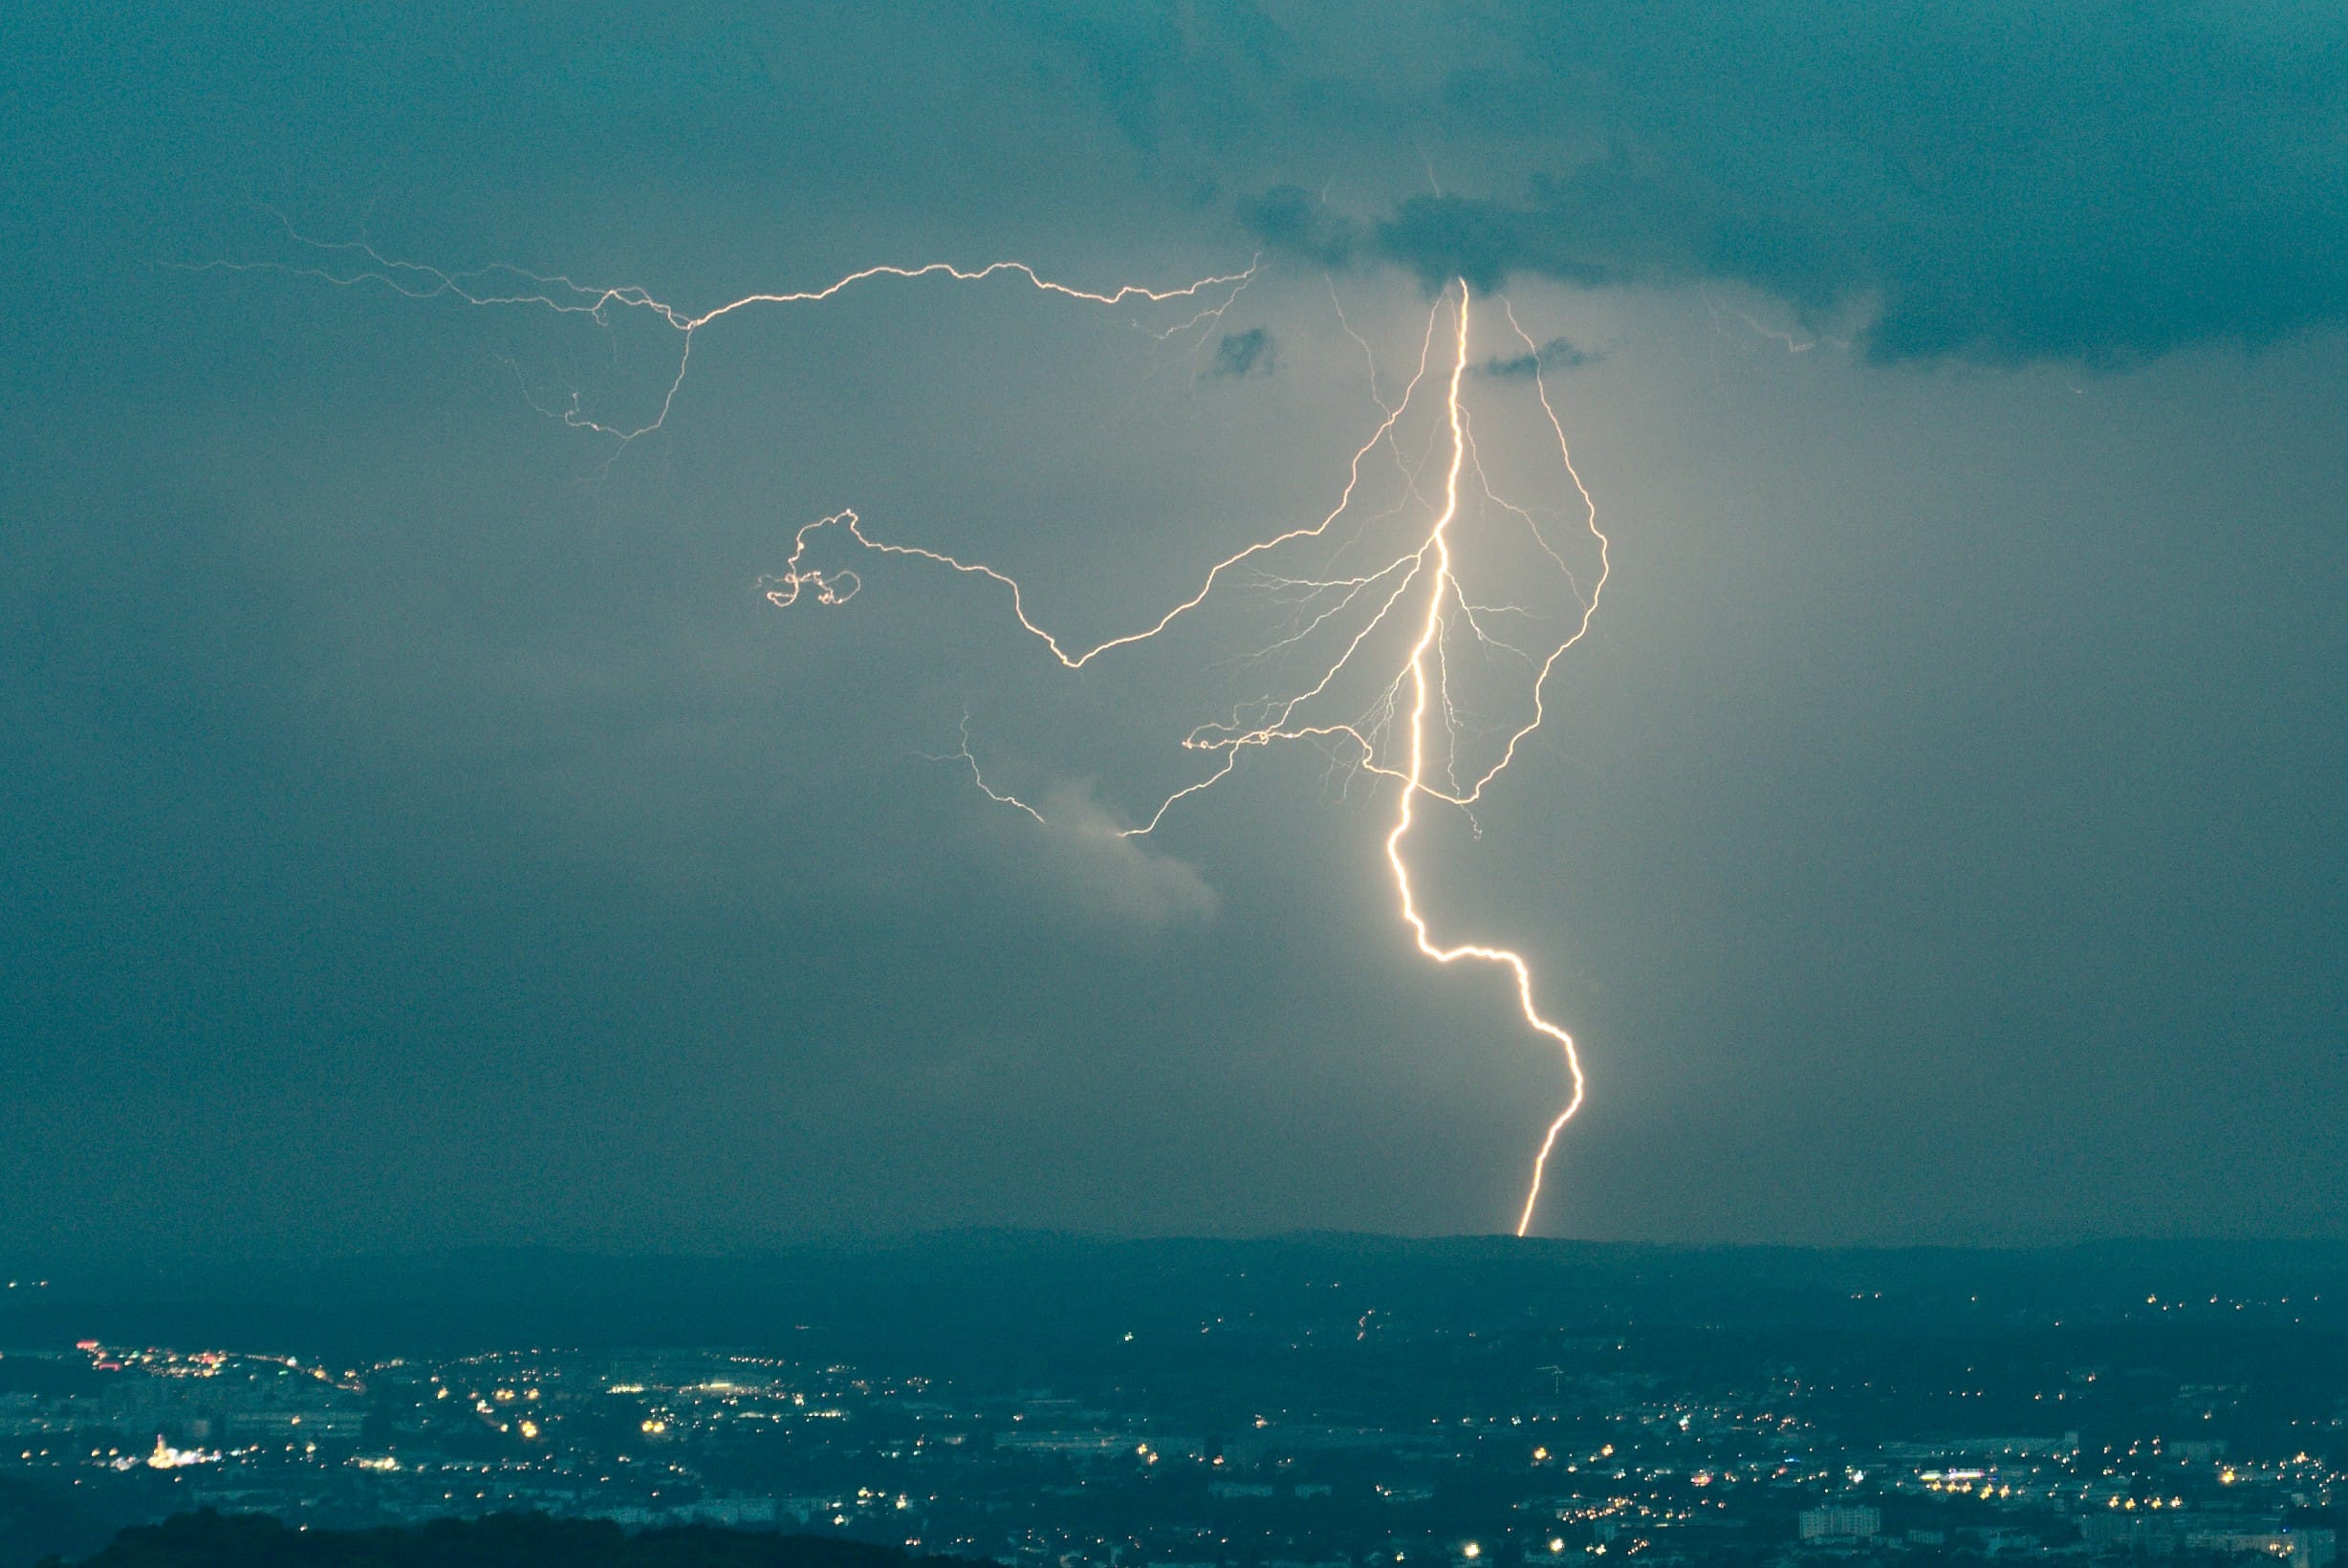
(1428, 564)
(1440, 543)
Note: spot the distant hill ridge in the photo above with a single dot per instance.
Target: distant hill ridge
(504, 1540)
(959, 1300)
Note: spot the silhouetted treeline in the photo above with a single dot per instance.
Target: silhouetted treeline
(506, 1541)
(37, 1521)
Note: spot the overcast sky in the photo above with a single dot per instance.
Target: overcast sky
(420, 831)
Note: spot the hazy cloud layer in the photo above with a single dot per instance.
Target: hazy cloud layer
(419, 829)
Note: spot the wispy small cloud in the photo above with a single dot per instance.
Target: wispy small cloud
(1558, 354)
(1115, 876)
(1244, 353)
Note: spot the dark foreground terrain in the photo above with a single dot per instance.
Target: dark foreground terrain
(211, 1540)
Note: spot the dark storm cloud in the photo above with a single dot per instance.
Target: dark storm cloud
(1287, 218)
(1243, 354)
(1558, 354)
(1992, 181)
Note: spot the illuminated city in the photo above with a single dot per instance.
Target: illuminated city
(1317, 1402)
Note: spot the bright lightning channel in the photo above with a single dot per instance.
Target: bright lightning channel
(1418, 690)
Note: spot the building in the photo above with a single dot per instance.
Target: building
(1836, 1522)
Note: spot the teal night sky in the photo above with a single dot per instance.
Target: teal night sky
(419, 830)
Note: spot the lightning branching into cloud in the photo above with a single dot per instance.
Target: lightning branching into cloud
(1389, 632)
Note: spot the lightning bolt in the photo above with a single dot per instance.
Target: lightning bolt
(1439, 545)
(1416, 587)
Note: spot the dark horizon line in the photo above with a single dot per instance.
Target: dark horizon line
(943, 1238)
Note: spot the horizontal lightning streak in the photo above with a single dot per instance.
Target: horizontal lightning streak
(558, 293)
